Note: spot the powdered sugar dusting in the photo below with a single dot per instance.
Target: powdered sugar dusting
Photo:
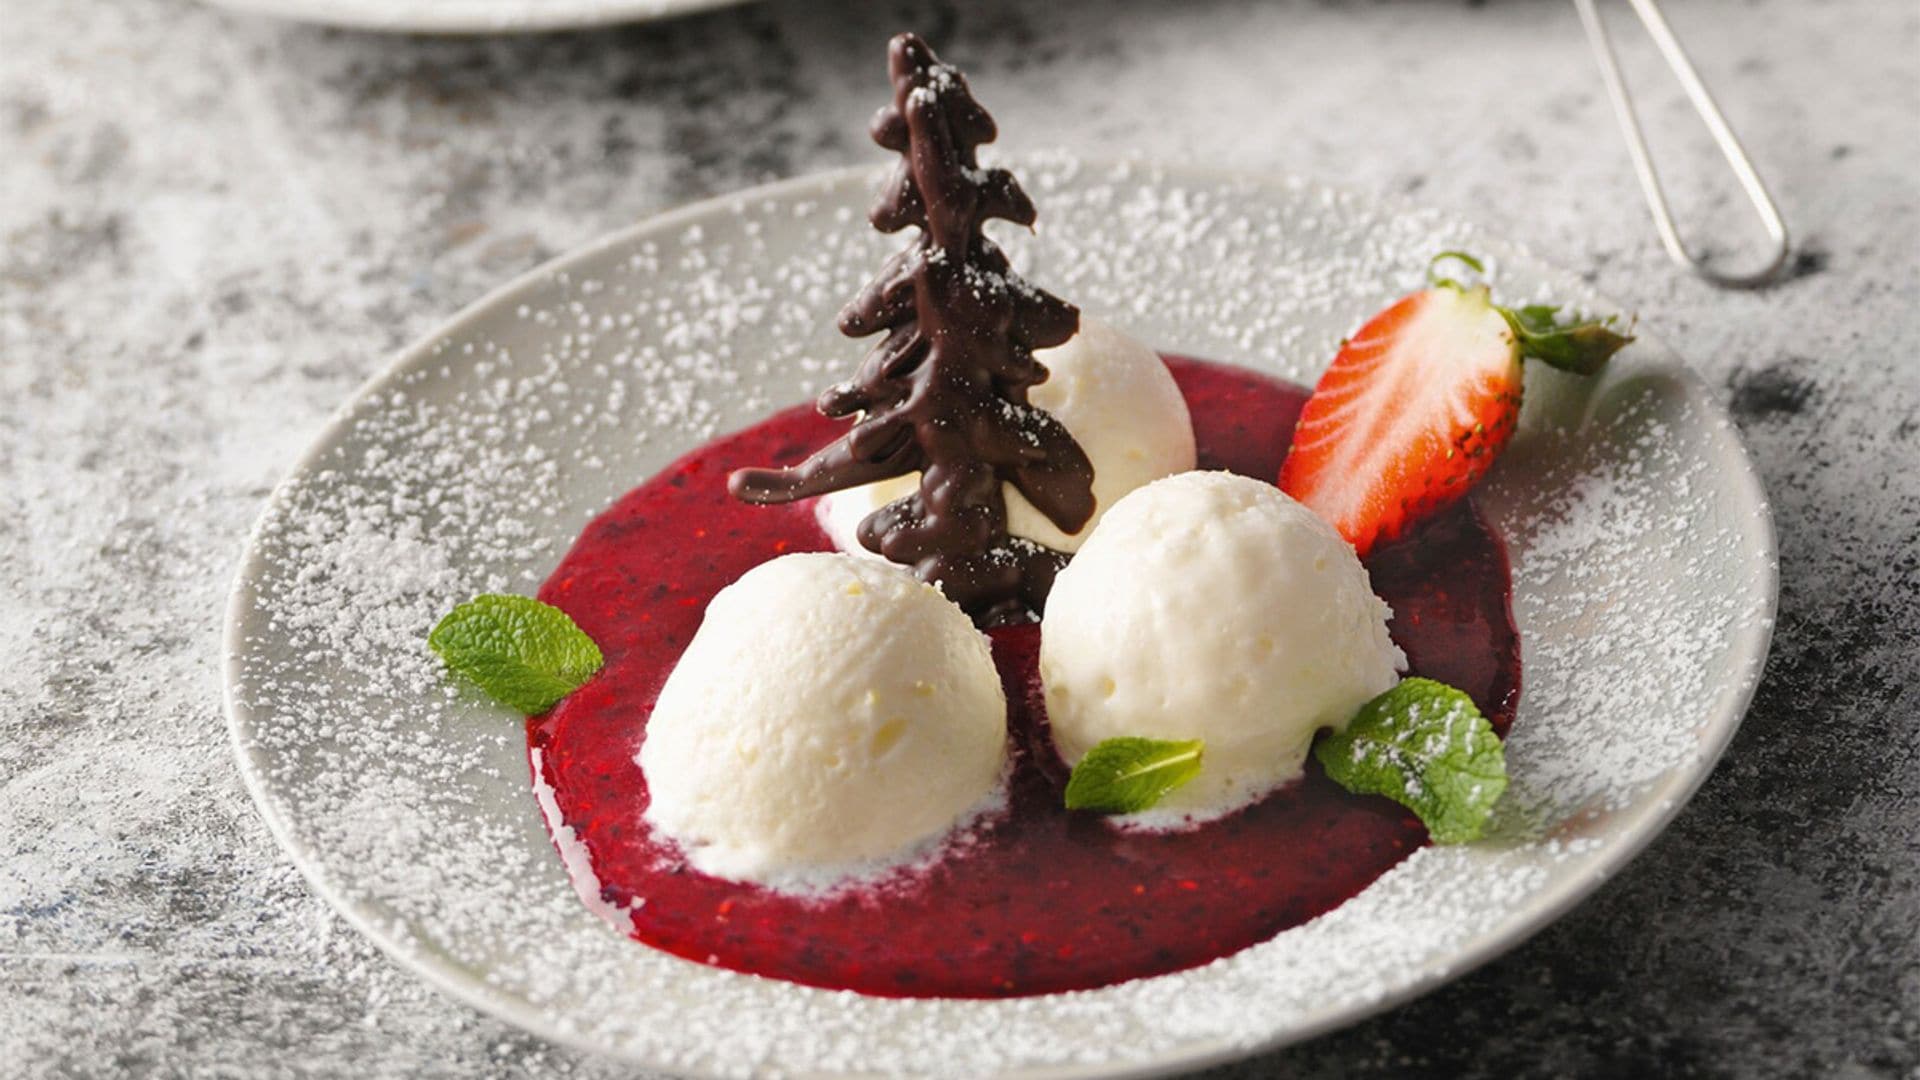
(1640, 595)
(1618, 526)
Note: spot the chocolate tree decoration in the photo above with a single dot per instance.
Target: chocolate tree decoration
(945, 392)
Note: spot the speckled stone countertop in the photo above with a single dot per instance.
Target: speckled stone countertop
(216, 227)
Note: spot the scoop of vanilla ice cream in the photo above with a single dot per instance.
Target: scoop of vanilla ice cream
(1117, 400)
(1212, 606)
(832, 711)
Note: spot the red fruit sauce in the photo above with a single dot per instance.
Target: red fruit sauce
(1041, 900)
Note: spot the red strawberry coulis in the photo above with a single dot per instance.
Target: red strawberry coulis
(1038, 900)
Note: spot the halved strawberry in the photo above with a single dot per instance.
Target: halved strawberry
(1420, 401)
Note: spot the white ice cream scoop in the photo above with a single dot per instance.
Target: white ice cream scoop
(1117, 400)
(830, 714)
(1213, 606)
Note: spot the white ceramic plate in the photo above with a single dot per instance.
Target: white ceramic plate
(1644, 584)
(470, 16)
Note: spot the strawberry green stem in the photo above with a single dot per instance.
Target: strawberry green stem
(1439, 282)
(1581, 347)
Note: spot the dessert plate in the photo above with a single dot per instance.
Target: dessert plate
(1643, 585)
(470, 16)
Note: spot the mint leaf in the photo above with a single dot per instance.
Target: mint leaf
(525, 654)
(1121, 776)
(1424, 745)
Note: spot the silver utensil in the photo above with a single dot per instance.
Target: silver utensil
(1730, 148)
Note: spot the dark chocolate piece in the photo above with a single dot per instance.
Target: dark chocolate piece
(945, 392)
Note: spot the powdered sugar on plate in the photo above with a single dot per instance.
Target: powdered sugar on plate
(1643, 590)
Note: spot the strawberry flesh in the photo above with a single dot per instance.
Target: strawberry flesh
(1409, 416)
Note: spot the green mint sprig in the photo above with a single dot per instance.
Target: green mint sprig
(1424, 745)
(1129, 774)
(524, 654)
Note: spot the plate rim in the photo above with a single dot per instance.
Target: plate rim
(466, 19)
(1661, 800)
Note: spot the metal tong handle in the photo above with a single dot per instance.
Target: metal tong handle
(1703, 103)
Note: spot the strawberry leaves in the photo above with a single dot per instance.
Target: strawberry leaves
(1581, 348)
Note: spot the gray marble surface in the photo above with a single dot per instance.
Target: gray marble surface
(216, 227)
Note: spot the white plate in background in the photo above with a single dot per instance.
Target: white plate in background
(470, 16)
